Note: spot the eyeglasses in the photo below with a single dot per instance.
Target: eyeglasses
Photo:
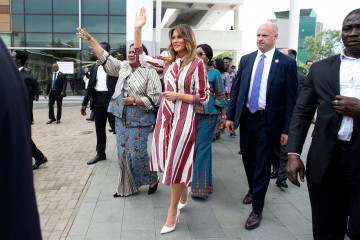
(200, 54)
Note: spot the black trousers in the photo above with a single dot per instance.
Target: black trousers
(101, 103)
(335, 202)
(256, 148)
(36, 153)
(279, 160)
(52, 98)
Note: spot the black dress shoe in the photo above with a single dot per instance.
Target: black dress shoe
(37, 164)
(154, 188)
(116, 195)
(95, 160)
(57, 121)
(90, 119)
(111, 130)
(50, 121)
(247, 198)
(240, 152)
(281, 183)
(273, 175)
(253, 221)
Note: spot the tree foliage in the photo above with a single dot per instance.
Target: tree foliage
(222, 55)
(325, 44)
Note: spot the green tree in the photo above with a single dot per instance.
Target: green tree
(325, 44)
(222, 55)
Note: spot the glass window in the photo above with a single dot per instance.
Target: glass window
(66, 23)
(98, 37)
(94, 7)
(6, 37)
(66, 7)
(17, 22)
(17, 6)
(95, 24)
(118, 41)
(19, 40)
(38, 6)
(117, 24)
(39, 40)
(38, 23)
(66, 40)
(117, 7)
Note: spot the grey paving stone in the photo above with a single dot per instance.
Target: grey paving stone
(109, 230)
(138, 219)
(75, 237)
(304, 237)
(108, 211)
(138, 235)
(241, 233)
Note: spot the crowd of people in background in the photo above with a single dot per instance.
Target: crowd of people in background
(188, 99)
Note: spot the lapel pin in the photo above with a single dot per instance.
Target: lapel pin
(276, 60)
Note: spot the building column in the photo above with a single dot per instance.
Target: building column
(158, 27)
(294, 20)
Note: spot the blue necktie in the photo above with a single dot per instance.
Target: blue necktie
(255, 91)
(54, 80)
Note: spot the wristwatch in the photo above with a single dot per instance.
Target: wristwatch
(134, 103)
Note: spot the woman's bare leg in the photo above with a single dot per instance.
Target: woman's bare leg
(176, 191)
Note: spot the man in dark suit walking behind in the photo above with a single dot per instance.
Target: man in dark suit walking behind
(333, 164)
(20, 59)
(56, 89)
(101, 87)
(262, 100)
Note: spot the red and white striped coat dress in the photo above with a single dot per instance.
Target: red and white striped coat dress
(173, 145)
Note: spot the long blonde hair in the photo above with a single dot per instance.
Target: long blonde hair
(188, 35)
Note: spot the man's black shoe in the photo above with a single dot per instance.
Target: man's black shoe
(91, 119)
(50, 121)
(37, 164)
(95, 160)
(281, 183)
(111, 130)
(273, 175)
(57, 121)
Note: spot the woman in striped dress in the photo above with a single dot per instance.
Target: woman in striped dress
(173, 145)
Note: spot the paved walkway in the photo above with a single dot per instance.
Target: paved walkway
(222, 216)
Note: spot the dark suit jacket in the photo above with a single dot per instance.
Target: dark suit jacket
(60, 84)
(301, 79)
(19, 218)
(110, 82)
(30, 84)
(320, 88)
(280, 96)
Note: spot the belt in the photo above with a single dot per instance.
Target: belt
(343, 145)
(102, 92)
(258, 112)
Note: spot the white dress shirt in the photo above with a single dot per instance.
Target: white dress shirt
(264, 78)
(349, 87)
(101, 80)
(54, 79)
(20, 69)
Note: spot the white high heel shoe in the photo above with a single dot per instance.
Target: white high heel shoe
(166, 229)
(182, 205)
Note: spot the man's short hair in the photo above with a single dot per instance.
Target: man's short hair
(292, 53)
(22, 56)
(356, 11)
(308, 61)
(227, 58)
(105, 46)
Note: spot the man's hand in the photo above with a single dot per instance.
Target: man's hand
(83, 110)
(45, 95)
(348, 106)
(293, 167)
(230, 126)
(62, 94)
(284, 139)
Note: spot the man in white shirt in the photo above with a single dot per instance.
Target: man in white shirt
(333, 164)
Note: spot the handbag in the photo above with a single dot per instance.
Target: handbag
(155, 108)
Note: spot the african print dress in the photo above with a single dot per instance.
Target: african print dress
(132, 123)
(173, 145)
(206, 118)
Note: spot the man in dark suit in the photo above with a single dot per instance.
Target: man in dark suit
(333, 164)
(35, 93)
(56, 89)
(101, 87)
(19, 218)
(262, 100)
(20, 59)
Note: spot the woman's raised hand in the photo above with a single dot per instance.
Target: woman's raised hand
(140, 18)
(83, 34)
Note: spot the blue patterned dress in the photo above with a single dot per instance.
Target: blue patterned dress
(206, 118)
